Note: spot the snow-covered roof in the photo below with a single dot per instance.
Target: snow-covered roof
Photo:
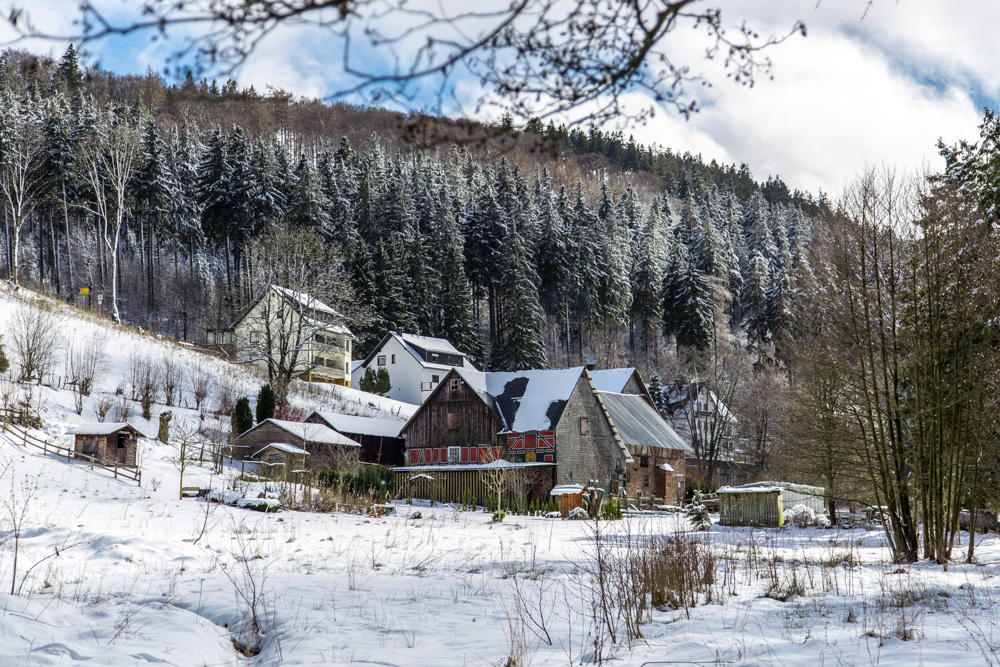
(666, 467)
(638, 423)
(563, 489)
(312, 303)
(378, 426)
(612, 379)
(102, 428)
(317, 433)
(786, 486)
(755, 489)
(282, 447)
(355, 363)
(532, 400)
(430, 343)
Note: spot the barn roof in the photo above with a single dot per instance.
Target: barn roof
(317, 433)
(386, 428)
(638, 423)
(532, 400)
(281, 447)
(612, 379)
(104, 428)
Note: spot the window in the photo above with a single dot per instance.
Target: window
(381, 360)
(454, 420)
(643, 461)
(454, 384)
(393, 359)
(254, 337)
(435, 379)
(584, 426)
(434, 357)
(645, 480)
(320, 339)
(454, 454)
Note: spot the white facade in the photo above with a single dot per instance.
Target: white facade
(416, 364)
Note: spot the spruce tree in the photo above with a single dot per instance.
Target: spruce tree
(265, 403)
(241, 420)
(655, 388)
(520, 346)
(647, 275)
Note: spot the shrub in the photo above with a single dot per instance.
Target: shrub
(697, 513)
(242, 418)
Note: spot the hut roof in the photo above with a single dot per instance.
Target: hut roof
(386, 428)
(104, 428)
(317, 433)
(281, 447)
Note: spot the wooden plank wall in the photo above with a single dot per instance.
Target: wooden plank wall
(751, 509)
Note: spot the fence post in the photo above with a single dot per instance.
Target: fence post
(116, 470)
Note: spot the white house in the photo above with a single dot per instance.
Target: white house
(290, 330)
(416, 364)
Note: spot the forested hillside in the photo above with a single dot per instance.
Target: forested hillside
(172, 204)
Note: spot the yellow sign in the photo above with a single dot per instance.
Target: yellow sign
(84, 290)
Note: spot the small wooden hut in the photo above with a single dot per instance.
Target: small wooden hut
(107, 443)
(282, 454)
(753, 506)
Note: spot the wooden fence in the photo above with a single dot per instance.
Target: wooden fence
(49, 448)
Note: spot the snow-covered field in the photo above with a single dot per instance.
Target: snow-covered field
(109, 573)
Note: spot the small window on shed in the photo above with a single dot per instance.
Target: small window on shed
(643, 461)
(254, 337)
(381, 360)
(454, 420)
(584, 425)
(454, 384)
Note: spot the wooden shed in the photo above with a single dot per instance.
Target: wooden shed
(282, 454)
(108, 443)
(751, 506)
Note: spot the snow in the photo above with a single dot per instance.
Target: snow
(110, 573)
(563, 489)
(758, 489)
(528, 408)
(612, 379)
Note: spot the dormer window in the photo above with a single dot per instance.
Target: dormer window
(434, 357)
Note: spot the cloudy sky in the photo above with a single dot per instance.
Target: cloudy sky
(870, 84)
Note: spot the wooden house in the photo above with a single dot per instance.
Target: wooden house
(548, 422)
(107, 442)
(416, 364)
(756, 506)
(292, 326)
(281, 454)
(379, 437)
(326, 447)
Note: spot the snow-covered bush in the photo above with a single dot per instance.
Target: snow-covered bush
(697, 513)
(805, 517)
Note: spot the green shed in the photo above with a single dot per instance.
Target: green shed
(753, 506)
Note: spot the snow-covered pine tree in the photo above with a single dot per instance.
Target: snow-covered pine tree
(308, 207)
(754, 299)
(697, 514)
(656, 393)
(521, 346)
(696, 326)
(154, 190)
(647, 276)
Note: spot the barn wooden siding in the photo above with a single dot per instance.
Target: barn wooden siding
(751, 508)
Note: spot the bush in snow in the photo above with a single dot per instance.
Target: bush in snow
(697, 513)
(241, 419)
(804, 517)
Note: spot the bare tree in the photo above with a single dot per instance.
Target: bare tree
(537, 58)
(142, 373)
(34, 336)
(171, 377)
(84, 363)
(201, 384)
(110, 158)
(22, 147)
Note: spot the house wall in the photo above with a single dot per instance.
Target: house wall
(249, 443)
(633, 387)
(105, 447)
(405, 373)
(252, 322)
(474, 423)
(582, 458)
